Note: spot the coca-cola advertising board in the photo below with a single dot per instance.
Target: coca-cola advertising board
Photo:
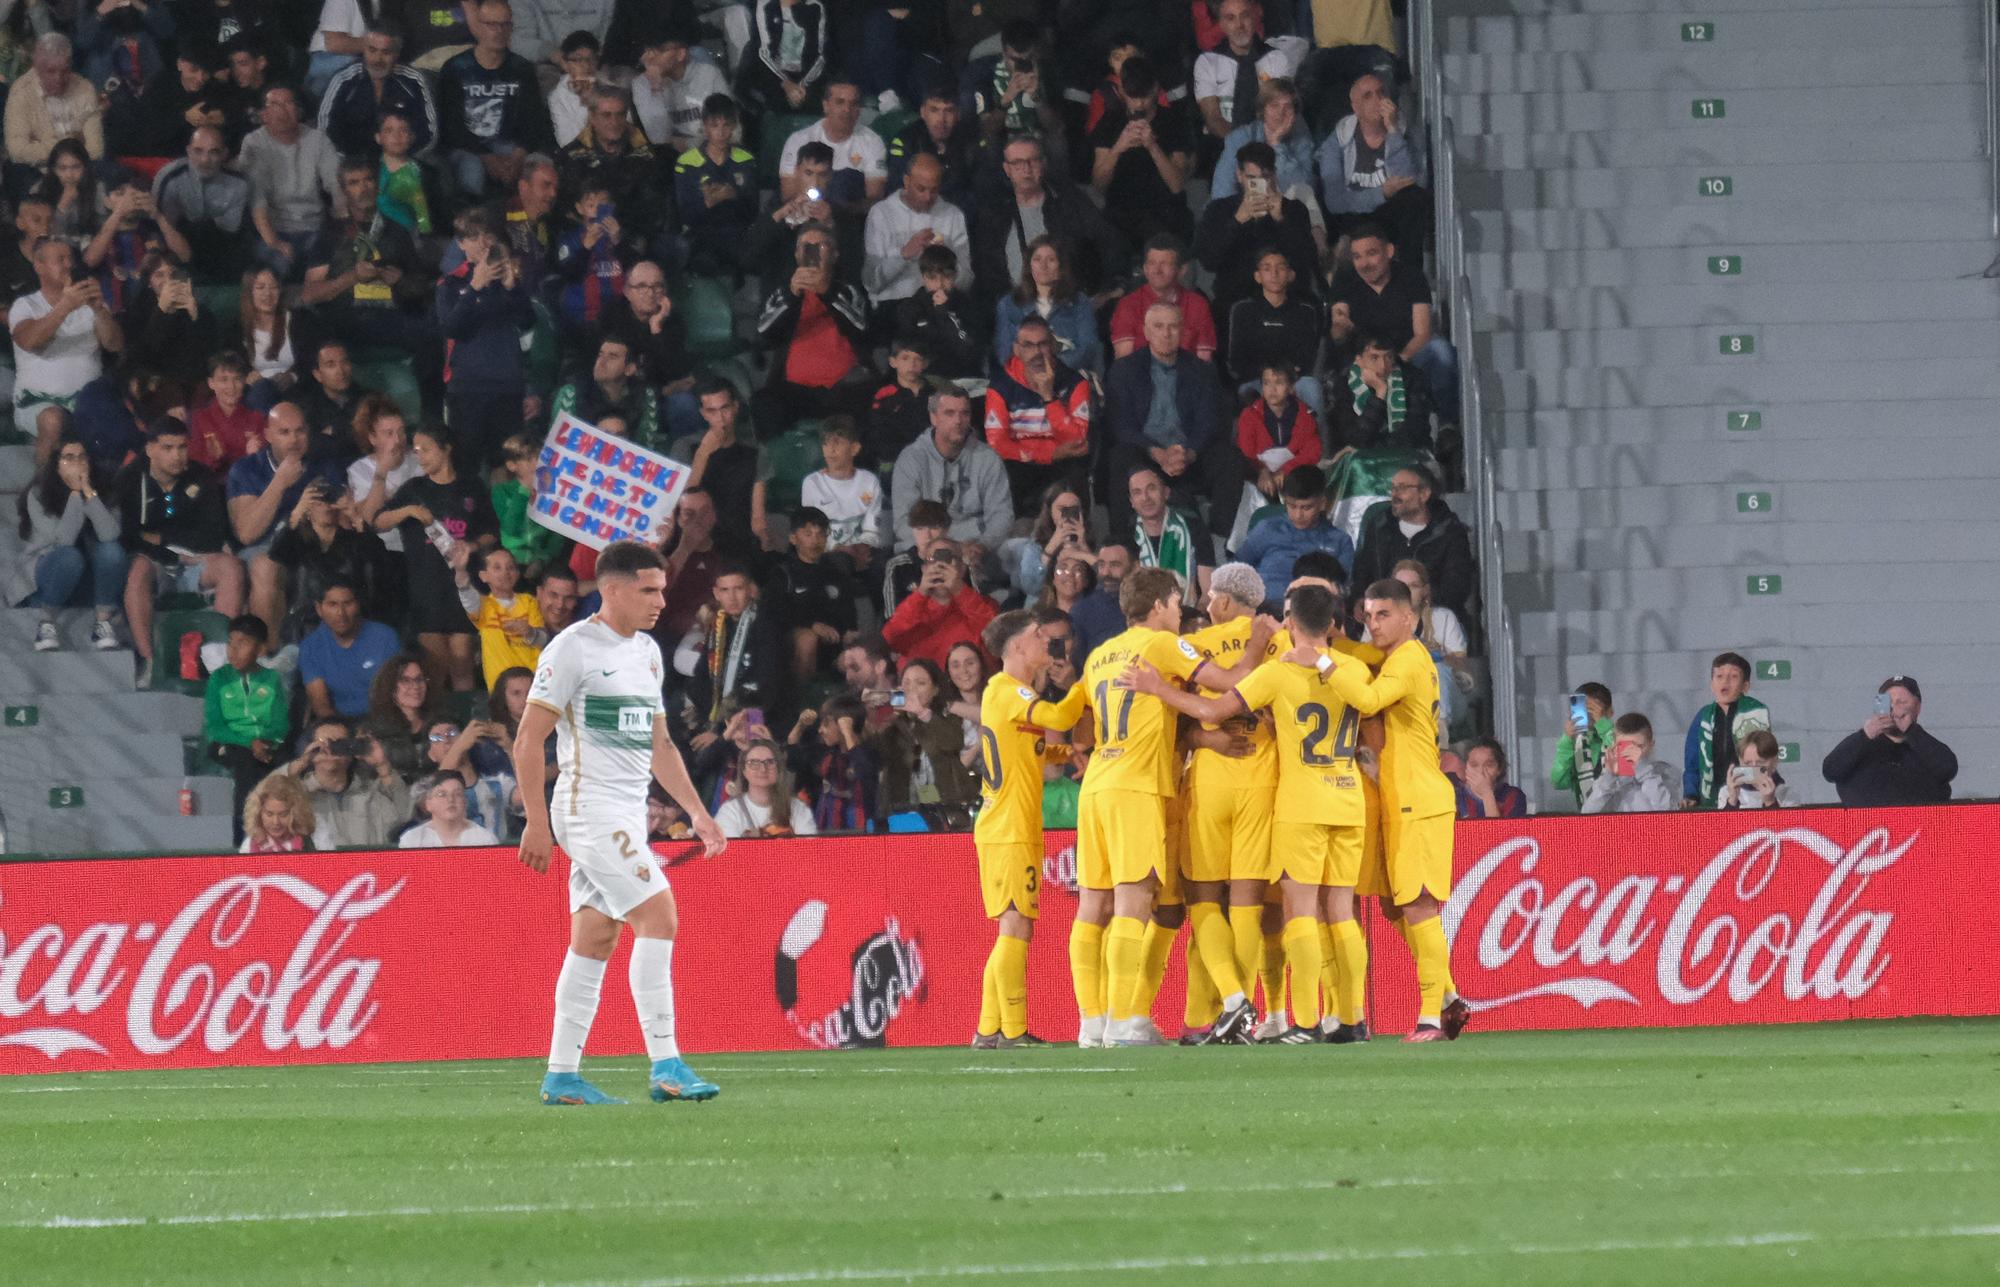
(839, 943)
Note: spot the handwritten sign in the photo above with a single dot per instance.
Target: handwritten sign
(596, 488)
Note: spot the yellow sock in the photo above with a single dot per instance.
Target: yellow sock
(1216, 946)
(1156, 944)
(1301, 940)
(1273, 974)
(1123, 946)
(1327, 984)
(1246, 927)
(1203, 1002)
(1011, 984)
(1350, 971)
(1086, 967)
(1433, 966)
(989, 992)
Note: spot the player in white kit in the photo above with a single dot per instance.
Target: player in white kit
(597, 688)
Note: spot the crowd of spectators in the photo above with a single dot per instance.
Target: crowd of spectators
(1053, 291)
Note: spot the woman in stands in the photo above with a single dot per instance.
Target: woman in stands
(70, 185)
(1047, 289)
(1062, 527)
(965, 687)
(70, 553)
(402, 705)
(762, 801)
(923, 746)
(432, 513)
(271, 338)
(278, 817)
(441, 822)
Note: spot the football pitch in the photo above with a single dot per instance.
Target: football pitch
(1814, 1154)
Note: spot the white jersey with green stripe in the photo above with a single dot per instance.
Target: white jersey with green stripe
(604, 688)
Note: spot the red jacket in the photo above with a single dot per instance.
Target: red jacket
(1020, 426)
(1253, 436)
(1128, 320)
(923, 627)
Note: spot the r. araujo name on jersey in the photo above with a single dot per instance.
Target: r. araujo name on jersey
(605, 691)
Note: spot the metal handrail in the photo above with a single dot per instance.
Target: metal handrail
(1455, 298)
(1989, 13)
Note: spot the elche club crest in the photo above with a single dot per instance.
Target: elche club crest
(841, 980)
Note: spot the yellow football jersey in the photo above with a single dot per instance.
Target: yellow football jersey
(1135, 733)
(1222, 646)
(1405, 690)
(1012, 718)
(1281, 643)
(1318, 780)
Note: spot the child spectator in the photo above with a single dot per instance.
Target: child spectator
(1383, 405)
(1632, 782)
(1272, 546)
(589, 258)
(1716, 730)
(406, 194)
(1755, 782)
(850, 497)
(225, 429)
(509, 624)
(1484, 791)
(810, 599)
(900, 411)
(244, 713)
(532, 545)
(715, 187)
(841, 766)
(1276, 326)
(569, 100)
(1278, 431)
(939, 316)
(1580, 754)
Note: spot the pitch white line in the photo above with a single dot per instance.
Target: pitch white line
(1325, 1256)
(1025, 1195)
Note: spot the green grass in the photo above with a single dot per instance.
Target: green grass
(1810, 1155)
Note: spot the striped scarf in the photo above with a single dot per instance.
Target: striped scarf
(1174, 549)
(1398, 403)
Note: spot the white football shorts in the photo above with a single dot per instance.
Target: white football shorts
(611, 867)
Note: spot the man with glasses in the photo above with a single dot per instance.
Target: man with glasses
(1415, 523)
(1038, 416)
(174, 525)
(611, 151)
(656, 338)
(490, 110)
(1036, 205)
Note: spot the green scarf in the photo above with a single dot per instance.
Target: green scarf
(1175, 549)
(1398, 403)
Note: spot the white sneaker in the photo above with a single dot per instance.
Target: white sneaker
(103, 637)
(1090, 1034)
(46, 638)
(1273, 1027)
(1136, 1031)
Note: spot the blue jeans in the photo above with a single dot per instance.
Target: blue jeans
(1438, 363)
(470, 171)
(59, 575)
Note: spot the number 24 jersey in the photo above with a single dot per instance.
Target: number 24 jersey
(1318, 779)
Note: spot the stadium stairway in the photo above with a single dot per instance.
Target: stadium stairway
(1737, 357)
(87, 765)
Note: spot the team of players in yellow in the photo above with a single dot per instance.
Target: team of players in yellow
(1293, 803)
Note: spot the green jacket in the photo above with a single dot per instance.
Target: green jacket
(524, 538)
(241, 708)
(1564, 775)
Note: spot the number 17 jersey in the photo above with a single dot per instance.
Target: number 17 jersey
(1135, 733)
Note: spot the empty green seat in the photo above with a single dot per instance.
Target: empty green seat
(791, 456)
(709, 313)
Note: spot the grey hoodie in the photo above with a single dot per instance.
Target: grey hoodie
(1654, 787)
(982, 509)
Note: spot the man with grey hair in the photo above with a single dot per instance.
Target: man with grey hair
(210, 204)
(1165, 408)
(51, 105)
(951, 465)
(613, 151)
(359, 97)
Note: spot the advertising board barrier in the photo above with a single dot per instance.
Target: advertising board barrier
(1800, 916)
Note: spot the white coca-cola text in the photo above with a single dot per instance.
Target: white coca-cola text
(308, 996)
(1826, 948)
